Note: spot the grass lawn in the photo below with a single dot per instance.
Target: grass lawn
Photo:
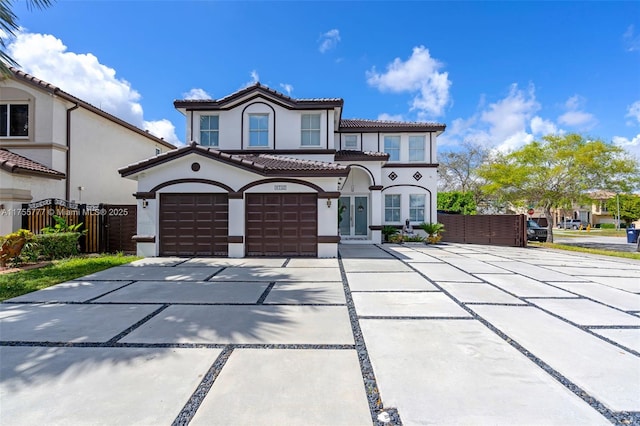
(22, 282)
(623, 254)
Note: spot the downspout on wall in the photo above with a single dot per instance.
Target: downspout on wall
(68, 168)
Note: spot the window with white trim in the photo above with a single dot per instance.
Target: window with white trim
(392, 208)
(416, 148)
(416, 207)
(209, 130)
(392, 147)
(14, 120)
(258, 129)
(310, 130)
(351, 142)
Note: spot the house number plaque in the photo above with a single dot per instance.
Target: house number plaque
(279, 187)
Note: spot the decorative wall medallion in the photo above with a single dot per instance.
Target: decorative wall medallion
(195, 167)
(393, 176)
(417, 176)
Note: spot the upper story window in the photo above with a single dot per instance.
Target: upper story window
(392, 147)
(209, 130)
(310, 129)
(258, 129)
(351, 142)
(416, 148)
(14, 120)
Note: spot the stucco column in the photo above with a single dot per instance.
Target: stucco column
(236, 227)
(376, 213)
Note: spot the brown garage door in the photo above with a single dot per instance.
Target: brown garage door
(282, 225)
(194, 224)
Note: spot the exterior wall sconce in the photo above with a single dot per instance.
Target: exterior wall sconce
(360, 208)
(145, 203)
(328, 202)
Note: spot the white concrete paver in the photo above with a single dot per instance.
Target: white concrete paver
(278, 274)
(68, 323)
(523, 286)
(603, 370)
(374, 265)
(586, 312)
(404, 304)
(631, 285)
(611, 296)
(601, 272)
(392, 281)
(187, 292)
(305, 262)
(535, 272)
(243, 262)
(306, 292)
(478, 293)
(626, 337)
(261, 324)
(287, 387)
(81, 386)
(449, 372)
(153, 273)
(71, 291)
(157, 261)
(444, 272)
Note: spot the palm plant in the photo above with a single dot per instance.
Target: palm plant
(433, 231)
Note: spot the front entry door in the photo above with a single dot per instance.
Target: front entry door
(354, 221)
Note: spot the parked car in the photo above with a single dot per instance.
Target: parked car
(536, 232)
(571, 224)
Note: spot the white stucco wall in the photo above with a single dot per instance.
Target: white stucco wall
(284, 126)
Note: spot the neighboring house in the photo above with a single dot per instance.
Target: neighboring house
(267, 174)
(54, 145)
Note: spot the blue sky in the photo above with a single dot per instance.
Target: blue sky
(496, 73)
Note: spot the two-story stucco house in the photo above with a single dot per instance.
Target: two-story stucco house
(270, 175)
(54, 145)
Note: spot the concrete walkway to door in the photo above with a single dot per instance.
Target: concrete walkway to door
(412, 334)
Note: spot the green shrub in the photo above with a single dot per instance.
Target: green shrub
(11, 246)
(388, 231)
(57, 245)
(607, 226)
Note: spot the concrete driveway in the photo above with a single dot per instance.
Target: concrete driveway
(413, 334)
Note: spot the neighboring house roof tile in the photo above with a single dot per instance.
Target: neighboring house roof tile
(601, 195)
(34, 81)
(221, 103)
(363, 125)
(15, 163)
(265, 164)
(347, 155)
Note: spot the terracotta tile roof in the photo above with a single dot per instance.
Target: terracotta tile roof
(358, 124)
(15, 163)
(258, 88)
(348, 155)
(34, 81)
(265, 164)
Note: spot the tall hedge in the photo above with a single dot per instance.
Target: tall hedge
(58, 245)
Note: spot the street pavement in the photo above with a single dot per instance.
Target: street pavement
(395, 334)
(594, 241)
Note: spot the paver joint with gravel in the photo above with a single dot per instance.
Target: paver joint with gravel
(391, 334)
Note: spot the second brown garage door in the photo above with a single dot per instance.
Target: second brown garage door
(194, 224)
(282, 225)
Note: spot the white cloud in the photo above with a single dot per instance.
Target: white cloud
(329, 40)
(631, 39)
(540, 126)
(576, 116)
(83, 76)
(288, 88)
(632, 145)
(419, 75)
(390, 117)
(196, 94)
(255, 78)
(633, 111)
(163, 129)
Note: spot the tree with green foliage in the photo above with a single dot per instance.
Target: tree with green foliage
(457, 202)
(457, 170)
(8, 26)
(629, 207)
(558, 171)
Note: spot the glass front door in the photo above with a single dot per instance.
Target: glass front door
(354, 217)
